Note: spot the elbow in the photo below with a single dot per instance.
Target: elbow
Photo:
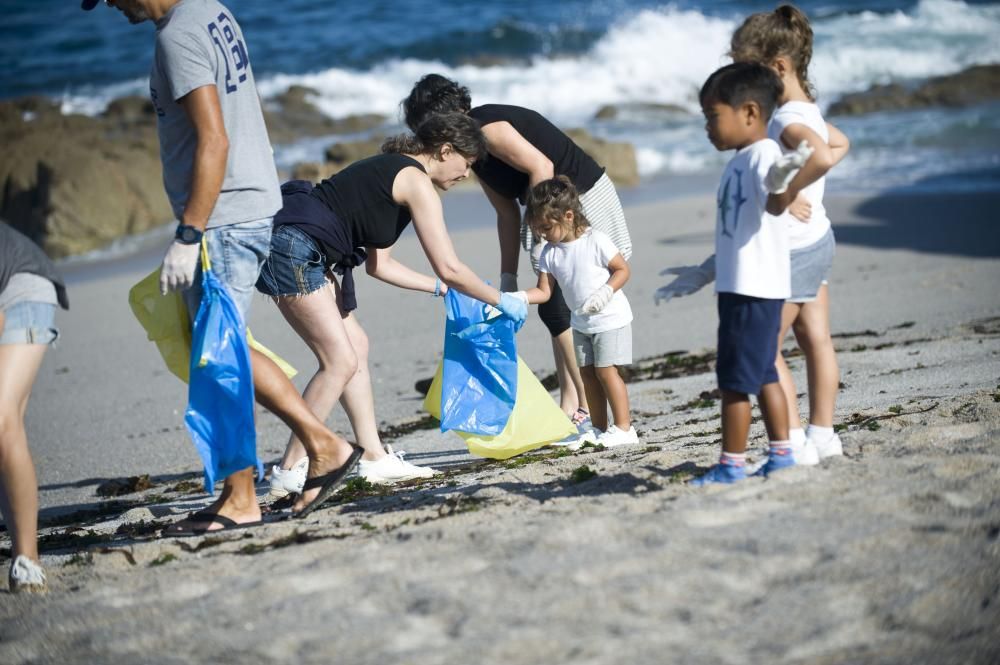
(449, 272)
(823, 160)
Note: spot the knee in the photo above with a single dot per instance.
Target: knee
(341, 368)
(11, 424)
(811, 339)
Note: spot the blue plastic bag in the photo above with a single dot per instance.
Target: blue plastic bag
(479, 379)
(220, 410)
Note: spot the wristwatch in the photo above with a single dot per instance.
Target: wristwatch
(187, 235)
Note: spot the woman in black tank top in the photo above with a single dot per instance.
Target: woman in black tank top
(525, 149)
(355, 217)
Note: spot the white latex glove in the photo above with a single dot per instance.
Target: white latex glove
(508, 281)
(689, 279)
(179, 264)
(598, 300)
(785, 168)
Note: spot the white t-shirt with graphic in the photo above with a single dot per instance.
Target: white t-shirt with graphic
(751, 246)
(198, 43)
(581, 267)
(802, 234)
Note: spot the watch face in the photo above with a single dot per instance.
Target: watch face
(187, 234)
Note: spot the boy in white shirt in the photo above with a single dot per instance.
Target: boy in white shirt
(751, 261)
(591, 272)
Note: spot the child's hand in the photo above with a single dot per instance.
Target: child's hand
(598, 300)
(801, 209)
(785, 168)
(689, 279)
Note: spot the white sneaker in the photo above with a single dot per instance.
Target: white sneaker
(805, 454)
(618, 437)
(26, 576)
(833, 446)
(392, 468)
(289, 481)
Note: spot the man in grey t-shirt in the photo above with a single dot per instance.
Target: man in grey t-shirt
(220, 177)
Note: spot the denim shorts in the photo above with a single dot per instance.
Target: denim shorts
(604, 349)
(296, 265)
(748, 342)
(236, 252)
(29, 322)
(811, 268)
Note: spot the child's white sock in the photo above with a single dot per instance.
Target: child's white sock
(779, 448)
(819, 434)
(797, 437)
(733, 459)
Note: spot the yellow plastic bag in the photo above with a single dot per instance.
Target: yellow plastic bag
(535, 421)
(166, 322)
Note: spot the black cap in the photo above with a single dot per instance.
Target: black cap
(87, 5)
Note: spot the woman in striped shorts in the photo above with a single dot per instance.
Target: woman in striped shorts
(525, 149)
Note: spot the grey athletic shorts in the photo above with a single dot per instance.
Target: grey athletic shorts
(811, 268)
(604, 349)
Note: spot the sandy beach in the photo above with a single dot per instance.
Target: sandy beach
(890, 554)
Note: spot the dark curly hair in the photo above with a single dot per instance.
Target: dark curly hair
(455, 129)
(434, 94)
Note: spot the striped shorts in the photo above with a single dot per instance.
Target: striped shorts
(604, 212)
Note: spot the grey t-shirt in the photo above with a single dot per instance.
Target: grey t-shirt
(198, 43)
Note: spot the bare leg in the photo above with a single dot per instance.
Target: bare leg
(357, 398)
(775, 411)
(735, 422)
(275, 392)
(596, 398)
(572, 393)
(19, 365)
(789, 312)
(812, 331)
(319, 321)
(614, 388)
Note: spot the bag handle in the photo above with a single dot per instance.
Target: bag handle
(206, 264)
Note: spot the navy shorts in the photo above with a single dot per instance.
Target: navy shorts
(748, 342)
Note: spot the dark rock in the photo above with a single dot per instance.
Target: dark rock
(974, 85)
(643, 110)
(291, 115)
(617, 157)
(119, 486)
(74, 183)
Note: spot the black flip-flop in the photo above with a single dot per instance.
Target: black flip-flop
(206, 518)
(328, 482)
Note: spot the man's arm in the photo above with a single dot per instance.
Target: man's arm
(210, 156)
(207, 173)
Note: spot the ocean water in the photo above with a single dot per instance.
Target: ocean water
(565, 59)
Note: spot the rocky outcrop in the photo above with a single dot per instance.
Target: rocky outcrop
(974, 85)
(75, 183)
(291, 115)
(617, 157)
(643, 110)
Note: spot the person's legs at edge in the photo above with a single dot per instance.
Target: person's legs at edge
(572, 394)
(596, 398)
(812, 332)
(19, 365)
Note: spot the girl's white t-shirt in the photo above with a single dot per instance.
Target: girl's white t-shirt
(581, 267)
(802, 234)
(751, 246)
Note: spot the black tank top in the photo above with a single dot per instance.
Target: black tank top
(567, 158)
(360, 197)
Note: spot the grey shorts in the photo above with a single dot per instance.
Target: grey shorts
(604, 349)
(811, 268)
(29, 322)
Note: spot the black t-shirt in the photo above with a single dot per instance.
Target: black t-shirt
(360, 197)
(567, 158)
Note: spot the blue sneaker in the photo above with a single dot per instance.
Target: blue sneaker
(776, 462)
(725, 474)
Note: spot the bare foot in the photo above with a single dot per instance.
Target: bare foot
(323, 464)
(222, 514)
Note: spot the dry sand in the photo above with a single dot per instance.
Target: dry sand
(888, 555)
